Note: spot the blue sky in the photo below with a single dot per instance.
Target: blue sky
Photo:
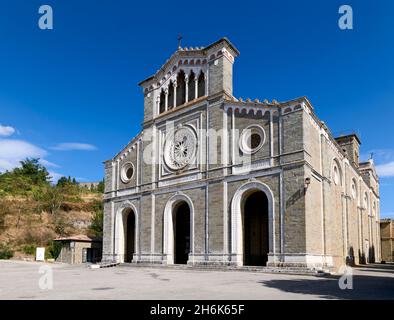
(70, 95)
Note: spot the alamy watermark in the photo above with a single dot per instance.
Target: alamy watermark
(45, 21)
(345, 21)
(46, 280)
(184, 145)
(345, 282)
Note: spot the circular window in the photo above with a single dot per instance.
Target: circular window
(127, 172)
(255, 140)
(252, 139)
(180, 148)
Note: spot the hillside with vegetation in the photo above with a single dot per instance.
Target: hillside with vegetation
(34, 211)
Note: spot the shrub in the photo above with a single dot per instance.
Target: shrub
(53, 249)
(5, 252)
(61, 226)
(74, 199)
(29, 249)
(36, 237)
(96, 225)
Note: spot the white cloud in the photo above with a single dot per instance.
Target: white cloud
(55, 176)
(6, 131)
(47, 163)
(13, 151)
(386, 169)
(74, 146)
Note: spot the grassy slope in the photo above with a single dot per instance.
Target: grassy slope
(25, 224)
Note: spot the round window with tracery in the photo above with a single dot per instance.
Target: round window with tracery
(252, 139)
(180, 148)
(127, 172)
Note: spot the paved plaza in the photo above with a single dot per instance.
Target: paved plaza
(23, 280)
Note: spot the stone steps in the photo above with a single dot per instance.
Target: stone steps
(103, 265)
(282, 270)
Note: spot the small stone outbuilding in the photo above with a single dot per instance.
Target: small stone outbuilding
(80, 249)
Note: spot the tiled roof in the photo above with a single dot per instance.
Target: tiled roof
(80, 237)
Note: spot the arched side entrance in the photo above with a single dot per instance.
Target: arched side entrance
(255, 227)
(126, 233)
(130, 237)
(178, 229)
(252, 224)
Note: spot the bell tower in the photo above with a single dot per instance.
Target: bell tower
(190, 75)
(221, 59)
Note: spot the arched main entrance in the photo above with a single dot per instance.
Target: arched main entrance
(130, 237)
(178, 233)
(255, 226)
(181, 220)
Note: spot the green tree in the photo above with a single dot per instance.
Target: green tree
(32, 169)
(51, 199)
(62, 182)
(4, 211)
(96, 225)
(15, 184)
(23, 180)
(5, 251)
(54, 248)
(101, 186)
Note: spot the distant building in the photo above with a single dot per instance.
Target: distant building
(80, 249)
(89, 185)
(387, 236)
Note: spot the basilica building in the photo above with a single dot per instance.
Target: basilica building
(217, 180)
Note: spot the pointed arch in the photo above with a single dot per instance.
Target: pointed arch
(191, 86)
(353, 189)
(162, 103)
(170, 97)
(336, 172)
(181, 88)
(366, 201)
(201, 85)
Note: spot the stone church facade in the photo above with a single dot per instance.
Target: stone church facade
(212, 179)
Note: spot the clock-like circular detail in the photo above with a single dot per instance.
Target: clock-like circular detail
(180, 148)
(127, 172)
(252, 139)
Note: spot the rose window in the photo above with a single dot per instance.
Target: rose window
(180, 148)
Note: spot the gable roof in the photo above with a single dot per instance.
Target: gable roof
(186, 52)
(79, 237)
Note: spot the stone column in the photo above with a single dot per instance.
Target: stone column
(206, 84)
(175, 86)
(166, 103)
(195, 88)
(158, 105)
(186, 89)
